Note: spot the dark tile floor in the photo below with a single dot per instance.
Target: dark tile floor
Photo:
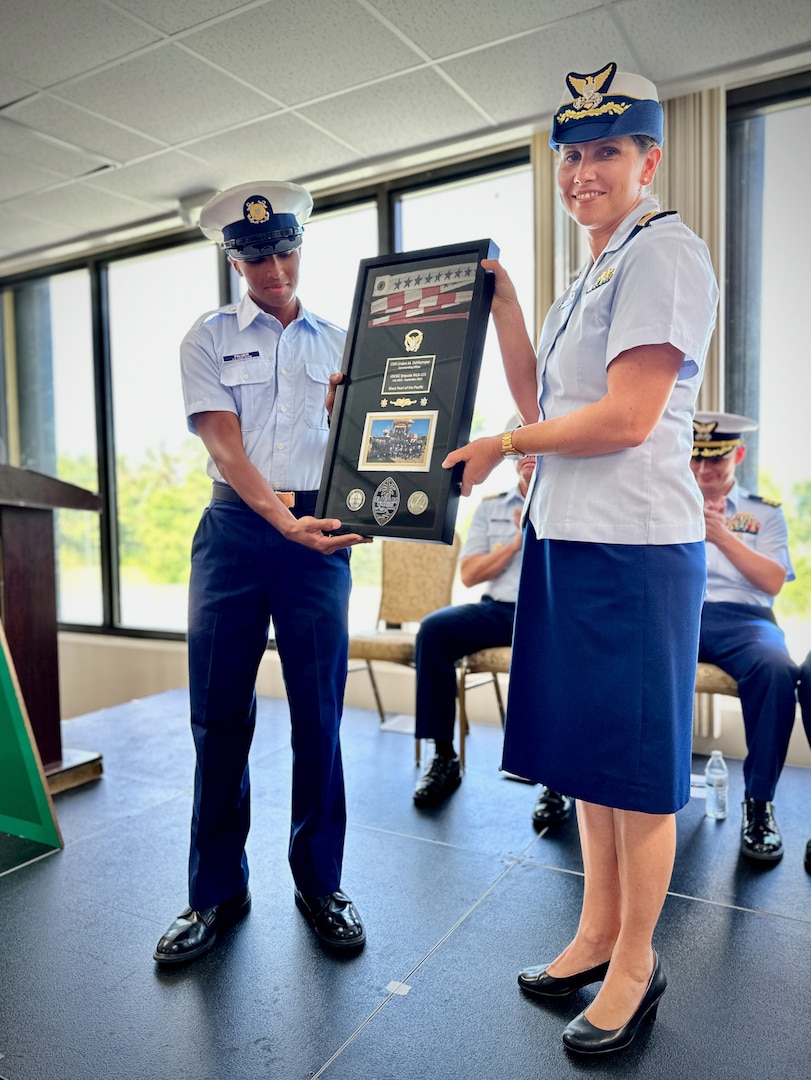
(455, 902)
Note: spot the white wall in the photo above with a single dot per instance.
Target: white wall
(96, 672)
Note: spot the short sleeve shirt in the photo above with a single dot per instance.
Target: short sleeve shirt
(275, 379)
(761, 526)
(493, 525)
(653, 287)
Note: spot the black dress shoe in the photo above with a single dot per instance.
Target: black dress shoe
(807, 860)
(585, 1038)
(552, 808)
(535, 981)
(334, 919)
(194, 932)
(442, 777)
(760, 836)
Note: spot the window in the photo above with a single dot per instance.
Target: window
(498, 206)
(55, 423)
(160, 478)
(92, 391)
(768, 375)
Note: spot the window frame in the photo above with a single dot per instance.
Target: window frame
(386, 195)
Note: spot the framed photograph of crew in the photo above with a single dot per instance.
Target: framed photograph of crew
(403, 442)
(411, 369)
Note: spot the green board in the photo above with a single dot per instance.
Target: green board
(26, 809)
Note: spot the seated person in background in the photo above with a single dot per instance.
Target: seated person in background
(747, 565)
(804, 695)
(491, 554)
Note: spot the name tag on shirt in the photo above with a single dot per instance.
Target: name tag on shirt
(240, 356)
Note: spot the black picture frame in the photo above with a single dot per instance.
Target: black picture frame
(411, 369)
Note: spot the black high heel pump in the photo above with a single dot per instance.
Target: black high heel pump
(584, 1038)
(535, 981)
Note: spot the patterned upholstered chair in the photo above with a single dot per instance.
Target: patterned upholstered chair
(712, 680)
(489, 664)
(417, 578)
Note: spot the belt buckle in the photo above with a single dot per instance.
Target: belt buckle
(288, 498)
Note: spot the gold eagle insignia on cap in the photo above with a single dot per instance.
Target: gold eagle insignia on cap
(586, 88)
(703, 432)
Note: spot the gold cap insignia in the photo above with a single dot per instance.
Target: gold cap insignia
(257, 210)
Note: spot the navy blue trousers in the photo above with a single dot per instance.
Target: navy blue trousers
(444, 637)
(244, 573)
(804, 695)
(750, 647)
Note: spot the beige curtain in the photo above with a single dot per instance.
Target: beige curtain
(548, 250)
(691, 179)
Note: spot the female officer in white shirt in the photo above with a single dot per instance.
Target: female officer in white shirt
(613, 567)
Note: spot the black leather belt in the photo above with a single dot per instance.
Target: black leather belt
(293, 500)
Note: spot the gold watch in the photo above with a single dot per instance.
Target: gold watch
(507, 448)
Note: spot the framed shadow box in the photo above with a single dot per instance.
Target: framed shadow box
(411, 369)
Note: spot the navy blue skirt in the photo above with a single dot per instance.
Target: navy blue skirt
(600, 703)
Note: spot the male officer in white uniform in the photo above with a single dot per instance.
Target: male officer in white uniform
(747, 564)
(491, 555)
(256, 378)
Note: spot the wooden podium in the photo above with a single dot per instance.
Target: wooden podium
(28, 610)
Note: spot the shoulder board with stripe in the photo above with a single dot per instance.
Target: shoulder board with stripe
(499, 495)
(648, 219)
(766, 502)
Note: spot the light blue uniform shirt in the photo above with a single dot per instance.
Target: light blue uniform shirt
(763, 528)
(493, 524)
(239, 359)
(658, 287)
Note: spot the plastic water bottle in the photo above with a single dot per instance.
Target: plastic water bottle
(716, 776)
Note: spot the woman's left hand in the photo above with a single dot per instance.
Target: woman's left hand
(480, 458)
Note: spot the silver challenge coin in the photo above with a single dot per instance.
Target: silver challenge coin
(355, 499)
(417, 503)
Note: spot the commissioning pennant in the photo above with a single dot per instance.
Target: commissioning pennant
(439, 292)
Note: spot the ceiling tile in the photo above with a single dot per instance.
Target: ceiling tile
(13, 89)
(21, 230)
(84, 130)
(20, 143)
(343, 46)
(179, 14)
(18, 178)
(444, 29)
(282, 147)
(168, 95)
(80, 208)
(712, 35)
(161, 180)
(46, 41)
(410, 111)
(512, 85)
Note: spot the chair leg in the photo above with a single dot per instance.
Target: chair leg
(499, 698)
(463, 724)
(376, 692)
